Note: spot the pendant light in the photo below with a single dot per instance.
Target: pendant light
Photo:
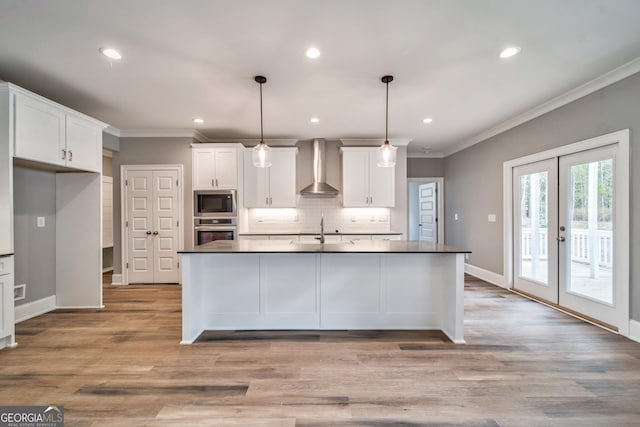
(386, 156)
(261, 155)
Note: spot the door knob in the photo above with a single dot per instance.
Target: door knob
(148, 232)
(561, 239)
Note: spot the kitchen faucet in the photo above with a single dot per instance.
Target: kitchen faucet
(321, 228)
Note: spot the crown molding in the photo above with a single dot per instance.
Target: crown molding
(398, 142)
(606, 79)
(254, 141)
(434, 155)
(162, 133)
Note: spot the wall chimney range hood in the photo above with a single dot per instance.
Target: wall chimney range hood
(319, 188)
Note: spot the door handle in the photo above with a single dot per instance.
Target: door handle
(148, 232)
(560, 239)
(155, 233)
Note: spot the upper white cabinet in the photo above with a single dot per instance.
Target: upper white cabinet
(215, 168)
(364, 184)
(272, 187)
(50, 133)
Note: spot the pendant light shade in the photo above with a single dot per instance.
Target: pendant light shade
(261, 155)
(386, 156)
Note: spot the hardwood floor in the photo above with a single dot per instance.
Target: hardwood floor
(524, 364)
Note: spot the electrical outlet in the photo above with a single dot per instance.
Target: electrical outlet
(455, 216)
(40, 221)
(20, 292)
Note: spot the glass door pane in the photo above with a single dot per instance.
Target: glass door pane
(535, 229)
(589, 235)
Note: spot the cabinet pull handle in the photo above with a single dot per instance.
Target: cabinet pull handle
(70, 155)
(64, 154)
(266, 200)
(216, 182)
(270, 201)
(371, 200)
(213, 182)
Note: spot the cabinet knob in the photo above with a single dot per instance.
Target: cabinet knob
(155, 233)
(148, 232)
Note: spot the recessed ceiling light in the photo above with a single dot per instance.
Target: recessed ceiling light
(427, 120)
(110, 53)
(509, 52)
(315, 120)
(198, 120)
(312, 53)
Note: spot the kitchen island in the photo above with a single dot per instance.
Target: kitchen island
(264, 284)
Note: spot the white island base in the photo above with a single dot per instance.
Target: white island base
(322, 291)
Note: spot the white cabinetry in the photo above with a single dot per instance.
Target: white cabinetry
(272, 187)
(364, 184)
(7, 327)
(215, 168)
(49, 133)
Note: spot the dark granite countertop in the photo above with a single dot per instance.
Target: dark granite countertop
(6, 254)
(341, 233)
(283, 246)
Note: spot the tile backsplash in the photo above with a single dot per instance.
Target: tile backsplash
(306, 218)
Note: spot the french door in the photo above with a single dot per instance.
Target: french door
(565, 231)
(152, 217)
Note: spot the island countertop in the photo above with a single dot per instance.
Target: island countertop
(360, 246)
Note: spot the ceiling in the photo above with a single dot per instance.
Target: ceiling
(197, 58)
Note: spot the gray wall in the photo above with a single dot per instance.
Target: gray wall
(425, 167)
(473, 177)
(150, 151)
(34, 193)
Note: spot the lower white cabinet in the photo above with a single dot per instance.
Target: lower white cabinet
(7, 317)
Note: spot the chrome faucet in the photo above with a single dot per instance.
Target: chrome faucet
(322, 228)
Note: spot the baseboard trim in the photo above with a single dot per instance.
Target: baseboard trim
(634, 330)
(486, 275)
(116, 279)
(35, 308)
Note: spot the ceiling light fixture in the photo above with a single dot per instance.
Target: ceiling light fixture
(314, 120)
(261, 155)
(386, 153)
(427, 120)
(312, 53)
(198, 120)
(110, 53)
(509, 52)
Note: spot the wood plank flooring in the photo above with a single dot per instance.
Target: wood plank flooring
(524, 365)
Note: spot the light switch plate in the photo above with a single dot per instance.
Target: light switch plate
(492, 218)
(40, 221)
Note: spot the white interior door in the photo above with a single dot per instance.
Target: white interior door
(165, 226)
(139, 190)
(428, 212)
(153, 203)
(535, 200)
(589, 218)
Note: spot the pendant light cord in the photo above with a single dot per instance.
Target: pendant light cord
(261, 131)
(386, 118)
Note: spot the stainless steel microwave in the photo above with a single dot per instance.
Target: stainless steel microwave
(214, 203)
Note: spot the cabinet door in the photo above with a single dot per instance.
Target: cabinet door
(256, 184)
(203, 169)
(282, 179)
(7, 317)
(39, 131)
(382, 184)
(355, 179)
(226, 168)
(84, 144)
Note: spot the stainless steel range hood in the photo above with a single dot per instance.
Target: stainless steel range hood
(319, 187)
